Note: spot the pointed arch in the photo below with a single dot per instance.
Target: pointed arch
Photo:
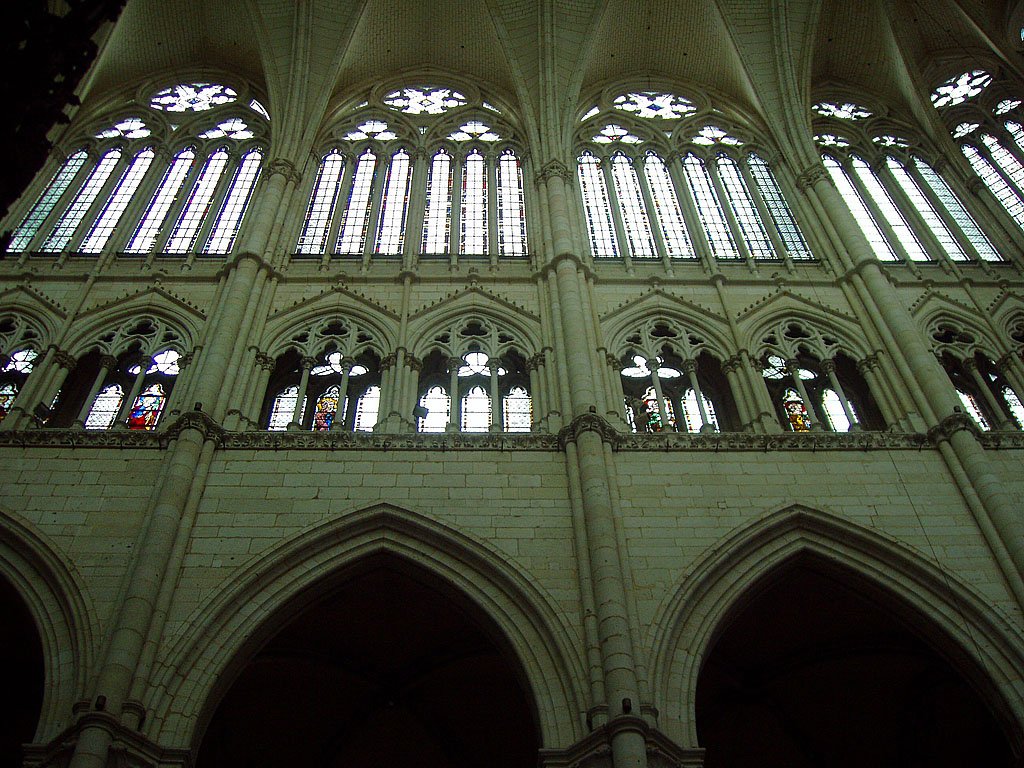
(63, 615)
(964, 627)
(279, 585)
(474, 303)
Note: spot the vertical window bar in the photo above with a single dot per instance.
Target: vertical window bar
(72, 217)
(666, 204)
(861, 214)
(712, 217)
(118, 202)
(186, 229)
(636, 222)
(313, 239)
(756, 236)
(597, 207)
(957, 211)
(927, 212)
(391, 231)
(474, 204)
(1009, 164)
(229, 220)
(357, 212)
(1016, 132)
(152, 220)
(438, 224)
(47, 201)
(1008, 197)
(779, 209)
(511, 206)
(882, 199)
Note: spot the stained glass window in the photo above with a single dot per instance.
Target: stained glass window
(424, 100)
(283, 408)
(925, 209)
(1017, 132)
(170, 186)
(438, 407)
(670, 216)
(326, 409)
(438, 219)
(1014, 404)
(391, 230)
(880, 195)
(712, 217)
(596, 206)
(73, 216)
(321, 204)
(691, 411)
(1008, 197)
(652, 413)
(118, 202)
(225, 230)
(841, 110)
(147, 408)
(517, 410)
(1005, 159)
(651, 104)
(476, 410)
(747, 216)
(511, 206)
(959, 89)
(834, 413)
(8, 393)
(778, 208)
(22, 361)
(796, 412)
(105, 407)
(235, 128)
(47, 201)
(129, 128)
(186, 229)
(970, 405)
(635, 221)
(192, 97)
(957, 210)
(613, 133)
(357, 213)
(367, 410)
(474, 204)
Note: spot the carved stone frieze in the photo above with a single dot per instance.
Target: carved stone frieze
(950, 425)
(588, 422)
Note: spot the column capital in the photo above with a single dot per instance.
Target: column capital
(283, 167)
(689, 366)
(64, 359)
(414, 363)
(613, 362)
(731, 364)
(108, 361)
(811, 176)
(868, 363)
(553, 168)
(970, 364)
(535, 361)
(265, 361)
(828, 365)
(1005, 363)
(955, 422)
(587, 422)
(307, 362)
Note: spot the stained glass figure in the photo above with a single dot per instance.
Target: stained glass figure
(147, 408)
(8, 392)
(796, 412)
(105, 407)
(326, 409)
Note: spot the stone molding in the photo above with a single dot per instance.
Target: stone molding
(128, 748)
(950, 425)
(588, 422)
(595, 751)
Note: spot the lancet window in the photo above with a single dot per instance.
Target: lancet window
(19, 354)
(667, 182)
(326, 379)
(413, 173)
(171, 175)
(474, 379)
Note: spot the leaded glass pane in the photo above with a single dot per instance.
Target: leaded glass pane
(925, 209)
(670, 215)
(596, 207)
(105, 407)
(517, 410)
(778, 209)
(956, 209)
(747, 216)
(970, 405)
(73, 216)
(1005, 159)
(474, 204)
(367, 410)
(321, 205)
(635, 221)
(152, 220)
(225, 230)
(476, 411)
(47, 201)
(511, 206)
(8, 393)
(147, 408)
(357, 212)
(709, 208)
(1014, 404)
(186, 229)
(834, 413)
(437, 222)
(438, 406)
(691, 412)
(1017, 132)
(283, 408)
(889, 211)
(796, 411)
(326, 409)
(1008, 197)
(118, 202)
(391, 231)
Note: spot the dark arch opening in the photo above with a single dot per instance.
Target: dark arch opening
(391, 667)
(21, 650)
(817, 669)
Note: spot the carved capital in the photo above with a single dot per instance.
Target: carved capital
(535, 361)
(64, 359)
(731, 365)
(613, 362)
(868, 364)
(1005, 363)
(264, 361)
(200, 422)
(414, 363)
(283, 167)
(955, 422)
(689, 366)
(551, 169)
(828, 366)
(587, 422)
(108, 361)
(388, 361)
(809, 177)
(307, 362)
(970, 364)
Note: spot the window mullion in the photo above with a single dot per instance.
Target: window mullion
(417, 206)
(876, 213)
(32, 198)
(170, 221)
(986, 153)
(616, 210)
(685, 197)
(348, 173)
(92, 214)
(491, 160)
(767, 221)
(132, 216)
(913, 217)
(730, 215)
(455, 230)
(652, 212)
(954, 228)
(47, 225)
(379, 182)
(227, 176)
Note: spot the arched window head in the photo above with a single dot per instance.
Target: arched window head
(473, 238)
(69, 221)
(597, 207)
(46, 202)
(322, 204)
(437, 405)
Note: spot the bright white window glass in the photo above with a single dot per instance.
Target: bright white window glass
(225, 230)
(1017, 132)
(186, 229)
(170, 186)
(474, 204)
(391, 230)
(596, 207)
(321, 205)
(437, 222)
(1007, 196)
(118, 202)
(925, 209)
(865, 220)
(635, 221)
(438, 406)
(956, 209)
(756, 236)
(511, 206)
(283, 409)
(72, 217)
(709, 209)
(691, 412)
(834, 412)
(105, 407)
(47, 201)
(778, 209)
(22, 361)
(972, 408)
(889, 210)
(476, 411)
(367, 410)
(517, 410)
(357, 213)
(670, 216)
(1005, 160)
(1014, 404)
